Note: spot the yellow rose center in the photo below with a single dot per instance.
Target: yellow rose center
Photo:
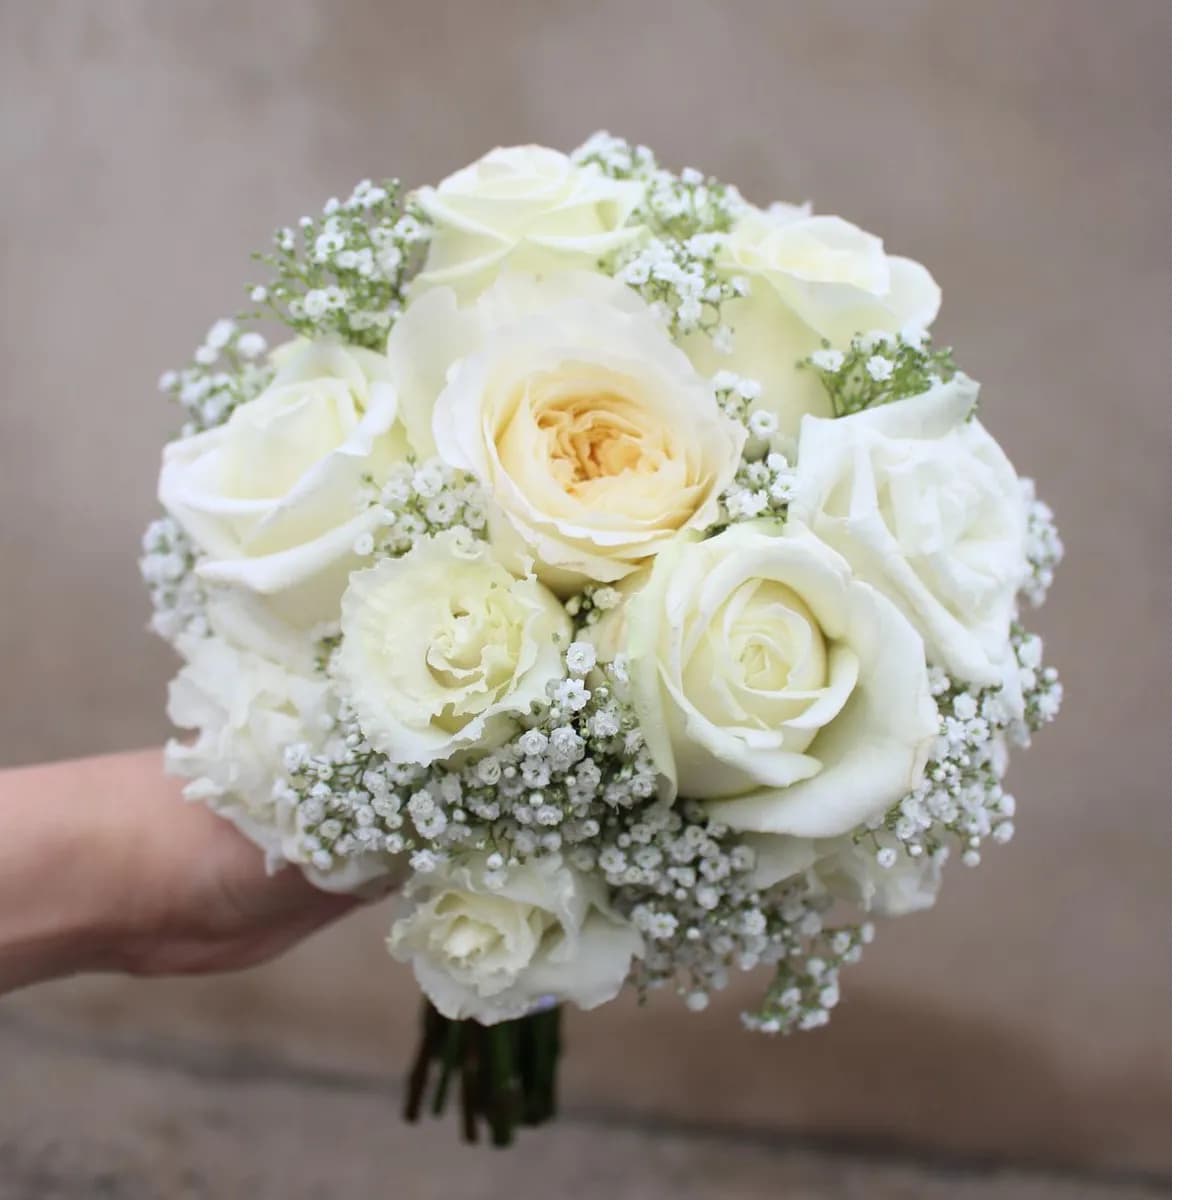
(594, 437)
(583, 437)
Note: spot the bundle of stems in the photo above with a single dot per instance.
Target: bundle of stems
(504, 1074)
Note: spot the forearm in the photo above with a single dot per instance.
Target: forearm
(68, 862)
(104, 866)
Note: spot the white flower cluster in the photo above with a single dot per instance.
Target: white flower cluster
(590, 604)
(961, 801)
(880, 368)
(766, 483)
(226, 371)
(418, 499)
(168, 567)
(761, 488)
(807, 987)
(346, 274)
(686, 883)
(616, 652)
(576, 758)
(675, 267)
(1043, 547)
(678, 277)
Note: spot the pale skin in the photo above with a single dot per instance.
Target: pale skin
(105, 867)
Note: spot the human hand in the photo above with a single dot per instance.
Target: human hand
(105, 867)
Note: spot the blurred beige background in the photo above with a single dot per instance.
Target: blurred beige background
(1018, 147)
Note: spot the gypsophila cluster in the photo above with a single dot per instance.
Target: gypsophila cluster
(766, 482)
(961, 801)
(168, 566)
(346, 274)
(674, 266)
(227, 370)
(577, 757)
(616, 157)
(586, 607)
(736, 394)
(762, 488)
(686, 883)
(680, 281)
(806, 985)
(419, 499)
(1043, 547)
(676, 206)
(878, 368)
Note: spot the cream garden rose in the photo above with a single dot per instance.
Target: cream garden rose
(523, 208)
(595, 439)
(925, 507)
(270, 496)
(771, 682)
(811, 278)
(492, 955)
(443, 647)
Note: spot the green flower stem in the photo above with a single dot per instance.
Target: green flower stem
(505, 1073)
(451, 1059)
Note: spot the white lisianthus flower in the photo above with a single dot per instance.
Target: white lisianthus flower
(925, 506)
(245, 710)
(849, 872)
(770, 681)
(493, 955)
(443, 647)
(811, 278)
(593, 436)
(270, 497)
(523, 208)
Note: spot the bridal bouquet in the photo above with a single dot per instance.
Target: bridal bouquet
(611, 568)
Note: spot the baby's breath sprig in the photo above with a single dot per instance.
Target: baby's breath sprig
(577, 756)
(1043, 547)
(961, 801)
(676, 207)
(762, 489)
(347, 274)
(586, 607)
(690, 204)
(680, 280)
(765, 482)
(674, 266)
(419, 499)
(168, 565)
(616, 157)
(226, 371)
(803, 992)
(879, 369)
(686, 883)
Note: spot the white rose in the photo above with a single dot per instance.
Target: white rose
(925, 506)
(811, 278)
(245, 709)
(593, 435)
(523, 208)
(848, 872)
(442, 648)
(270, 496)
(491, 956)
(768, 680)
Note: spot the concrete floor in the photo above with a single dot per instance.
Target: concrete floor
(175, 1119)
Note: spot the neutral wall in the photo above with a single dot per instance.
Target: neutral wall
(1019, 148)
